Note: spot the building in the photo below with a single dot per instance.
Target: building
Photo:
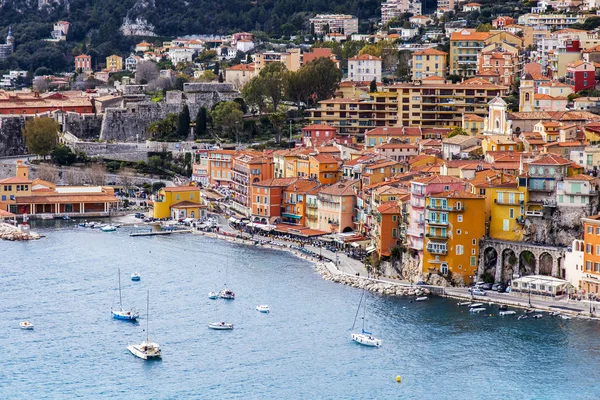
(454, 224)
(336, 206)
(267, 199)
(295, 206)
(364, 68)
(20, 195)
(464, 48)
(292, 59)
(239, 75)
(428, 62)
(322, 24)
(143, 47)
(248, 168)
(319, 52)
(581, 75)
(316, 135)
(179, 203)
(575, 191)
(181, 55)
(391, 9)
(551, 22)
(502, 21)
(504, 63)
(114, 63)
(27, 103)
(9, 47)
(590, 283)
(386, 229)
(471, 7)
(59, 33)
(83, 63)
(131, 62)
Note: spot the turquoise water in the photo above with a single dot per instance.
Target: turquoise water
(65, 284)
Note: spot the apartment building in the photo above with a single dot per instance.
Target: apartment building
(248, 168)
(391, 9)
(429, 62)
(464, 47)
(552, 22)
(591, 256)
(364, 68)
(292, 59)
(322, 24)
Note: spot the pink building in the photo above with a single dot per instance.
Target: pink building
(419, 189)
(83, 62)
(317, 134)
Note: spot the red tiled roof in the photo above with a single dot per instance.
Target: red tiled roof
(180, 189)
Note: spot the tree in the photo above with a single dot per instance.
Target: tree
(277, 119)
(41, 135)
(145, 72)
(179, 81)
(207, 76)
(216, 69)
(221, 78)
(457, 130)
(273, 76)
(315, 81)
(62, 155)
(95, 174)
(47, 173)
(163, 129)
(40, 84)
(228, 116)
(183, 123)
(254, 93)
(201, 121)
(484, 27)
(373, 86)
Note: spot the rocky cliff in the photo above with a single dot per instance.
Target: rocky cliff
(11, 139)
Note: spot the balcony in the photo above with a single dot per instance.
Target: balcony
(436, 222)
(416, 246)
(549, 203)
(509, 203)
(437, 236)
(414, 233)
(437, 250)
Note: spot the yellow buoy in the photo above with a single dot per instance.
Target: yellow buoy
(398, 379)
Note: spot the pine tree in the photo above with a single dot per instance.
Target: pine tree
(183, 123)
(201, 121)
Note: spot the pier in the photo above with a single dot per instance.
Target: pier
(158, 233)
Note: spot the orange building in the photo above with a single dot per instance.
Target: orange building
(267, 197)
(336, 206)
(386, 229)
(591, 255)
(248, 168)
(294, 206)
(219, 167)
(378, 171)
(26, 103)
(325, 168)
(83, 62)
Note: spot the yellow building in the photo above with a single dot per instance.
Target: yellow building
(454, 224)
(378, 171)
(114, 63)
(179, 202)
(292, 60)
(428, 62)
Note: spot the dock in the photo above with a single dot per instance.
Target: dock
(158, 233)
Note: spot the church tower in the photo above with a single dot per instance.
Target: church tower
(526, 93)
(10, 40)
(496, 122)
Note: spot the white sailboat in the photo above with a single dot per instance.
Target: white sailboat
(147, 349)
(121, 313)
(227, 293)
(365, 338)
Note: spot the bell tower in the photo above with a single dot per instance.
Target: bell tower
(526, 93)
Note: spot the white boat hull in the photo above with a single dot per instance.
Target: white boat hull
(477, 310)
(213, 295)
(27, 326)
(366, 340)
(220, 326)
(263, 309)
(145, 351)
(502, 313)
(423, 298)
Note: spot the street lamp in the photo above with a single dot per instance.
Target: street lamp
(529, 287)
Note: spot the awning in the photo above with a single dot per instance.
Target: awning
(291, 216)
(267, 228)
(371, 249)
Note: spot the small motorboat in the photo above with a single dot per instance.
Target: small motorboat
(554, 314)
(530, 311)
(564, 316)
(108, 228)
(503, 313)
(366, 339)
(125, 315)
(503, 307)
(464, 303)
(136, 276)
(227, 294)
(476, 305)
(422, 298)
(213, 295)
(477, 310)
(220, 326)
(538, 316)
(26, 325)
(522, 317)
(263, 308)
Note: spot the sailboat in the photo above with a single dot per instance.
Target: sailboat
(365, 338)
(147, 349)
(226, 293)
(127, 315)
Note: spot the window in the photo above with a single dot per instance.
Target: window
(258, 199)
(505, 225)
(589, 249)
(597, 231)
(459, 218)
(266, 200)
(446, 188)
(596, 267)
(394, 233)
(176, 197)
(511, 213)
(598, 249)
(473, 252)
(473, 261)
(474, 242)
(395, 218)
(588, 265)
(444, 268)
(589, 228)
(458, 232)
(459, 249)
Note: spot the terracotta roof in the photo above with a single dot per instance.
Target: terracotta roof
(551, 159)
(302, 186)
(180, 189)
(438, 179)
(345, 188)
(15, 180)
(469, 34)
(241, 67)
(275, 182)
(327, 149)
(315, 127)
(579, 177)
(473, 117)
(364, 57)
(390, 207)
(430, 52)
(457, 194)
(325, 158)
(187, 204)
(66, 198)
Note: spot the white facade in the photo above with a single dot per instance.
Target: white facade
(391, 9)
(574, 264)
(340, 23)
(244, 45)
(181, 54)
(364, 68)
(574, 192)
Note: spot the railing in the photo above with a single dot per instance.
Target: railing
(509, 203)
(436, 236)
(436, 222)
(433, 250)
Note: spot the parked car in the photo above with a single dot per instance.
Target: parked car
(479, 284)
(477, 292)
(495, 286)
(486, 286)
(420, 283)
(501, 288)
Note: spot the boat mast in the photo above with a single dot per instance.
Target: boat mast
(120, 297)
(147, 313)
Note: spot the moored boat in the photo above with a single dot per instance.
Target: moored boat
(522, 317)
(366, 339)
(121, 313)
(227, 294)
(563, 316)
(213, 295)
(464, 303)
(26, 325)
(510, 312)
(108, 228)
(136, 276)
(475, 305)
(220, 326)
(537, 316)
(263, 308)
(477, 309)
(422, 298)
(146, 350)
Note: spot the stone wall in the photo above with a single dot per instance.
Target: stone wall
(11, 139)
(85, 127)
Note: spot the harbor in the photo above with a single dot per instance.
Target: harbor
(429, 344)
